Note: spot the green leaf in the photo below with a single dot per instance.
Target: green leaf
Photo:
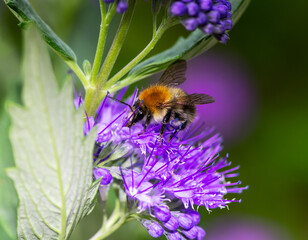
(53, 174)
(26, 15)
(87, 67)
(185, 48)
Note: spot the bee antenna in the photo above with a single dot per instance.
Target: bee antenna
(121, 102)
(133, 113)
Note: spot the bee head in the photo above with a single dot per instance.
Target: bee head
(137, 114)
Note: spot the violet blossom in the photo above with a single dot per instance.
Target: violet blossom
(166, 183)
(213, 17)
(122, 5)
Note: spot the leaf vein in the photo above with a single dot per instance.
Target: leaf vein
(36, 179)
(54, 146)
(31, 226)
(80, 195)
(36, 207)
(38, 148)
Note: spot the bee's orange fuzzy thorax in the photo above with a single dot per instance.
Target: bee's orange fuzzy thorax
(154, 96)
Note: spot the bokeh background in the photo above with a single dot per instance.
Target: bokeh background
(260, 82)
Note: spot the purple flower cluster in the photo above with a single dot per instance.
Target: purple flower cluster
(174, 224)
(213, 17)
(122, 5)
(165, 182)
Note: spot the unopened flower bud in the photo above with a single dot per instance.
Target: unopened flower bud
(104, 174)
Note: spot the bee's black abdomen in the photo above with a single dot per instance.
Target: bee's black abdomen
(183, 113)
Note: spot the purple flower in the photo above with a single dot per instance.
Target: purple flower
(162, 213)
(185, 220)
(89, 124)
(122, 5)
(191, 233)
(78, 100)
(174, 236)
(104, 174)
(173, 224)
(200, 233)
(194, 233)
(154, 229)
(213, 17)
(194, 215)
(164, 181)
(178, 8)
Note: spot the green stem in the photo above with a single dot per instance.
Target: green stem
(105, 21)
(116, 220)
(94, 94)
(140, 56)
(92, 99)
(154, 25)
(125, 82)
(116, 45)
(101, 234)
(115, 215)
(77, 70)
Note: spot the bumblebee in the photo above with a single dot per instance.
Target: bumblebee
(166, 103)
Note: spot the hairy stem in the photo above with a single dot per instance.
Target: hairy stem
(125, 82)
(77, 70)
(105, 21)
(96, 92)
(140, 56)
(92, 99)
(116, 45)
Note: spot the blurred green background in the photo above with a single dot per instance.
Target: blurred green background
(270, 42)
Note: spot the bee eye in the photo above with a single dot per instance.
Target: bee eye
(140, 111)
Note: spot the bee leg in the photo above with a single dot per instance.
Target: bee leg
(181, 127)
(147, 122)
(163, 126)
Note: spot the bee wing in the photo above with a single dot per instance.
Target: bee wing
(192, 99)
(174, 74)
(199, 99)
